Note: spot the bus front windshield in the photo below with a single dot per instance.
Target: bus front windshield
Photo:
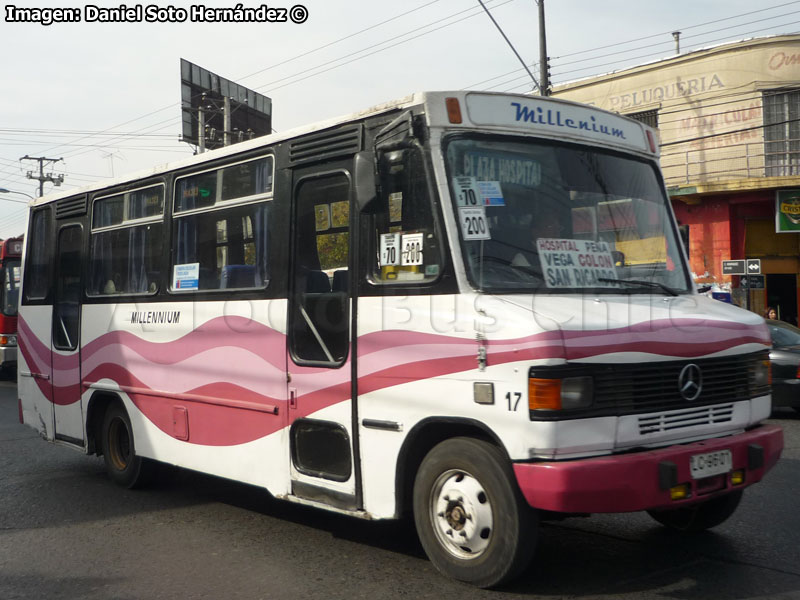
(10, 297)
(543, 216)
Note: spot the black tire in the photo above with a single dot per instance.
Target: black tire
(119, 451)
(485, 535)
(699, 517)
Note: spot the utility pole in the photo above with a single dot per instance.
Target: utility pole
(226, 121)
(201, 129)
(544, 60)
(41, 178)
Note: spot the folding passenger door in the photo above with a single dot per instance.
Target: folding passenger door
(320, 361)
(66, 327)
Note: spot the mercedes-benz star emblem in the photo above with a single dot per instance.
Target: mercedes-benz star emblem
(690, 382)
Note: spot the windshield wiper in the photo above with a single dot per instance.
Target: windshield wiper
(634, 282)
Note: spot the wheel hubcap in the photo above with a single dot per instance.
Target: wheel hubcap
(461, 514)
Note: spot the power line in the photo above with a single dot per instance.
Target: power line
(121, 135)
(170, 106)
(347, 37)
(375, 48)
(617, 44)
(762, 10)
(683, 38)
(173, 121)
(655, 53)
(73, 132)
(510, 45)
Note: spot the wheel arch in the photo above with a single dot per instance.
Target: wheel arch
(421, 439)
(99, 403)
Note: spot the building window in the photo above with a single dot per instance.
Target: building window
(782, 133)
(648, 117)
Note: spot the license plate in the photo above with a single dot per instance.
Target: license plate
(711, 463)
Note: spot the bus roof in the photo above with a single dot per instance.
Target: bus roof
(520, 113)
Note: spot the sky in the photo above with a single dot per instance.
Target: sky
(105, 97)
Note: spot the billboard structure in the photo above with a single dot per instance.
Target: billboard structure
(217, 112)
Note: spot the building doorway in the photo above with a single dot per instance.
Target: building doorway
(782, 296)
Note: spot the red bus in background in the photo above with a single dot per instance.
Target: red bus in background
(10, 256)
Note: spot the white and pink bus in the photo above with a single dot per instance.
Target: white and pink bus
(470, 307)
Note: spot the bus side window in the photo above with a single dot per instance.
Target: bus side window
(37, 267)
(125, 253)
(228, 246)
(220, 245)
(404, 226)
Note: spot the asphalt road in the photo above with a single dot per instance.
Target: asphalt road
(66, 532)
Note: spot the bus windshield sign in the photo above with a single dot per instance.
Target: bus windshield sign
(560, 119)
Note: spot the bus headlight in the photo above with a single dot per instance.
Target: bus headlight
(762, 374)
(560, 394)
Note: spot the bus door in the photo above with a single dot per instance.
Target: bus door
(321, 410)
(65, 349)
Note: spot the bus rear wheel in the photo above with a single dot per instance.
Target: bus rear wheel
(119, 452)
(699, 517)
(470, 516)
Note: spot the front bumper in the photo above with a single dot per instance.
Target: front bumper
(637, 481)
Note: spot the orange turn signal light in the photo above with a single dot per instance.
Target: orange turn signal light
(453, 110)
(544, 394)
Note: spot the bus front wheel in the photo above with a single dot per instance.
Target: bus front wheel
(470, 516)
(122, 464)
(699, 517)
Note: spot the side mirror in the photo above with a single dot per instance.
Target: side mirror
(366, 191)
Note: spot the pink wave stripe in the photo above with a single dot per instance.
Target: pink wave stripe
(263, 341)
(207, 367)
(227, 390)
(674, 337)
(209, 424)
(311, 402)
(318, 379)
(386, 359)
(66, 384)
(37, 358)
(390, 356)
(36, 352)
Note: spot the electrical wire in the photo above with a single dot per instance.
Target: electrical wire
(653, 54)
(668, 44)
(555, 60)
(347, 37)
(761, 10)
(173, 105)
(376, 48)
(120, 135)
(171, 122)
